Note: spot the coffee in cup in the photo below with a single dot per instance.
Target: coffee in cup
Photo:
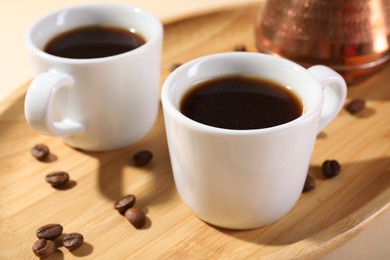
(241, 103)
(94, 42)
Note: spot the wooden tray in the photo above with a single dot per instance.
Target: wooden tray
(323, 218)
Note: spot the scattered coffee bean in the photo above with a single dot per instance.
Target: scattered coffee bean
(43, 248)
(49, 231)
(240, 48)
(309, 184)
(136, 217)
(142, 158)
(57, 179)
(175, 66)
(40, 152)
(331, 168)
(355, 106)
(72, 241)
(125, 203)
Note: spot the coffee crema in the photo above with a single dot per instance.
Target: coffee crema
(93, 42)
(241, 103)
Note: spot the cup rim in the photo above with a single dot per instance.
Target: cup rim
(31, 46)
(170, 108)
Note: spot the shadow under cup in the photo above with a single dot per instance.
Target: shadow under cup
(241, 179)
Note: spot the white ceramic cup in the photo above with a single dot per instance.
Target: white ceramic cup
(95, 104)
(243, 179)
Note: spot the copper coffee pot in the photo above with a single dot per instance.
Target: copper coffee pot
(350, 36)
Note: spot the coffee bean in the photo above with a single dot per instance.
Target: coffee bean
(43, 248)
(136, 217)
(57, 179)
(49, 231)
(142, 158)
(331, 168)
(72, 241)
(240, 47)
(309, 184)
(355, 106)
(125, 203)
(40, 152)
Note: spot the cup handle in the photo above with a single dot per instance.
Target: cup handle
(335, 92)
(38, 106)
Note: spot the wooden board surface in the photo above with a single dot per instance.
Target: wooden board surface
(322, 219)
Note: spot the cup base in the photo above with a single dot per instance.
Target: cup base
(239, 227)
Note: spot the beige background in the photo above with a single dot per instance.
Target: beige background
(17, 15)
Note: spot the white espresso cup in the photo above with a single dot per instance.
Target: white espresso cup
(95, 104)
(244, 179)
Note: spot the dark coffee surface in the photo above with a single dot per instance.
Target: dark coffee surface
(93, 42)
(241, 103)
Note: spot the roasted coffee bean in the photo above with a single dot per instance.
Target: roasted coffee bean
(240, 48)
(72, 241)
(142, 158)
(175, 66)
(57, 179)
(124, 203)
(43, 248)
(309, 184)
(331, 168)
(136, 217)
(355, 106)
(49, 231)
(40, 151)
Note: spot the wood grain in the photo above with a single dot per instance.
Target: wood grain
(323, 218)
